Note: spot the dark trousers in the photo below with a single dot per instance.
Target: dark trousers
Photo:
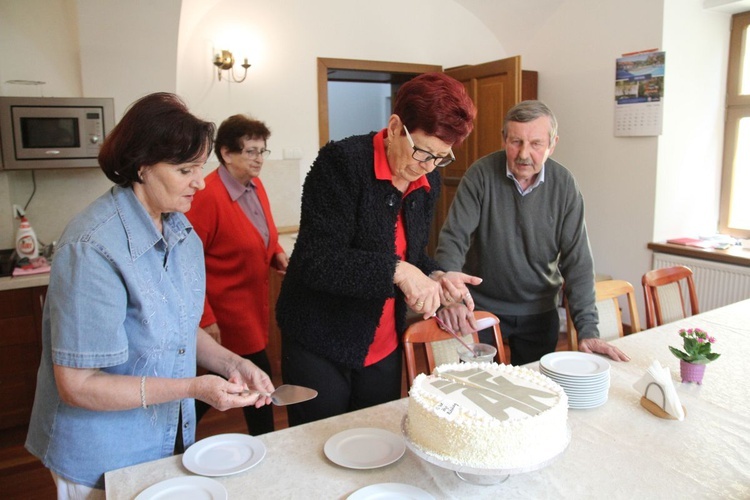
(258, 420)
(529, 337)
(340, 389)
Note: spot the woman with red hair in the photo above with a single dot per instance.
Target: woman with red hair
(359, 261)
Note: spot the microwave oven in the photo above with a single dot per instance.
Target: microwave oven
(53, 132)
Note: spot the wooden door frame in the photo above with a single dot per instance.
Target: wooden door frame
(326, 64)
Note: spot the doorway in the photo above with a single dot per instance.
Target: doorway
(494, 87)
(359, 72)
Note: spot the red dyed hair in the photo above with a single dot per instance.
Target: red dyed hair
(438, 105)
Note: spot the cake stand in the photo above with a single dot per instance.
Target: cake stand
(478, 475)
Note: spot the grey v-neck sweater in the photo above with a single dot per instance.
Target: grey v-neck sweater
(523, 247)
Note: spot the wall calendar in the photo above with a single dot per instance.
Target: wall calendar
(639, 94)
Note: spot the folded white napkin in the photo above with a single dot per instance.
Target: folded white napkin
(669, 401)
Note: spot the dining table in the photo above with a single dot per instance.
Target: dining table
(616, 450)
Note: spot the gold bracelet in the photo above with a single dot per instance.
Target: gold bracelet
(143, 392)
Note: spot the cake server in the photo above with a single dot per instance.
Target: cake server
(286, 394)
(445, 327)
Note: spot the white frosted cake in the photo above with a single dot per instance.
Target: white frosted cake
(488, 416)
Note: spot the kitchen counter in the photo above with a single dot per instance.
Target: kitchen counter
(287, 238)
(14, 283)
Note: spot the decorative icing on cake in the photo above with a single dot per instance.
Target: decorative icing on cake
(489, 416)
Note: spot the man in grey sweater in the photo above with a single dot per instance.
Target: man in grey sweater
(517, 221)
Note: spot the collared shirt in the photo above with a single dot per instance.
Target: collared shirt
(386, 340)
(125, 299)
(247, 197)
(524, 192)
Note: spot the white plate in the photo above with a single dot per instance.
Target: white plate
(587, 399)
(581, 364)
(224, 454)
(364, 448)
(579, 382)
(587, 406)
(390, 491)
(185, 488)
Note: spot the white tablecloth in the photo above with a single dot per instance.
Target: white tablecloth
(618, 450)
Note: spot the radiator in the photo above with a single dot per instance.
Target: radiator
(716, 283)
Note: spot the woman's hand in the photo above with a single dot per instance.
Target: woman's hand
(253, 379)
(459, 318)
(454, 289)
(422, 294)
(225, 394)
(281, 262)
(241, 375)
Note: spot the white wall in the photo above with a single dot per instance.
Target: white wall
(688, 182)
(130, 48)
(283, 40)
(636, 188)
(576, 79)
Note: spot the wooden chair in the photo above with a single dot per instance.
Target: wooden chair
(663, 293)
(608, 295)
(440, 346)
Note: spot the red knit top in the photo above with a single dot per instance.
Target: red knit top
(237, 265)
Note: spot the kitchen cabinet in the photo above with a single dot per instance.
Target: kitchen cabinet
(20, 352)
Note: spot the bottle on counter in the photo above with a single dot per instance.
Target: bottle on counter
(26, 243)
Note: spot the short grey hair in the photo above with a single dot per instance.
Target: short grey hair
(527, 111)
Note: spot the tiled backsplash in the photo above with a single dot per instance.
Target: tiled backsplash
(60, 194)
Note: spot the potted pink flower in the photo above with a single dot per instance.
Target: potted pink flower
(696, 355)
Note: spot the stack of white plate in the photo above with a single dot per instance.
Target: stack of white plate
(583, 376)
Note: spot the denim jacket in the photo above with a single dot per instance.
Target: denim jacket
(127, 300)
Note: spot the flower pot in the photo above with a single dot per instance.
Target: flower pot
(692, 372)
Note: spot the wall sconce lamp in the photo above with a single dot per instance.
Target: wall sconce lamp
(225, 62)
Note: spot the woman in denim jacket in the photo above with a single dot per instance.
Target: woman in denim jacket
(120, 331)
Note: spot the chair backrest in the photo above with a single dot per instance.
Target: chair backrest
(664, 295)
(608, 295)
(440, 346)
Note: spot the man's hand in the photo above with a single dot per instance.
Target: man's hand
(459, 318)
(600, 346)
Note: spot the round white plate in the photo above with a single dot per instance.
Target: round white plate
(587, 406)
(185, 488)
(575, 391)
(224, 454)
(585, 388)
(587, 399)
(582, 397)
(390, 491)
(579, 382)
(574, 363)
(364, 448)
(575, 378)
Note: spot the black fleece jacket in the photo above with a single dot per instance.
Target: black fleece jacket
(341, 270)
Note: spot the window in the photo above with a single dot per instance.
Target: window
(735, 203)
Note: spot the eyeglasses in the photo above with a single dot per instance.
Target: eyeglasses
(424, 156)
(254, 153)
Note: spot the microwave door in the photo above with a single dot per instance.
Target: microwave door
(57, 133)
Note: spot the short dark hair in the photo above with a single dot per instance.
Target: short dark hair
(234, 130)
(528, 111)
(438, 105)
(156, 128)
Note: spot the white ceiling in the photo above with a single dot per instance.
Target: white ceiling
(493, 14)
